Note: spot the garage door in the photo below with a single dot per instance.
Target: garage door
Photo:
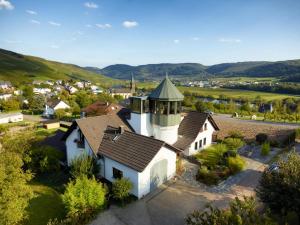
(158, 174)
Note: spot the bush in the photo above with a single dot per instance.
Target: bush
(265, 149)
(233, 143)
(84, 197)
(45, 159)
(206, 176)
(235, 164)
(60, 113)
(121, 189)
(212, 156)
(84, 165)
(236, 134)
(261, 138)
(3, 129)
(230, 153)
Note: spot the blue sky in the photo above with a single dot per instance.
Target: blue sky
(104, 32)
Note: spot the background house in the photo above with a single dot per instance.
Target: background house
(53, 105)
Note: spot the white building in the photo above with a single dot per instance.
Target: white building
(51, 106)
(79, 84)
(10, 117)
(95, 89)
(5, 96)
(142, 147)
(42, 91)
(71, 89)
(5, 85)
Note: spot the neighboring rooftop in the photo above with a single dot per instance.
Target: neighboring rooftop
(53, 102)
(166, 91)
(101, 108)
(133, 150)
(190, 127)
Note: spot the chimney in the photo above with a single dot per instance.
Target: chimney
(121, 129)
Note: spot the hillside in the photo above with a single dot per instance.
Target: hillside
(154, 71)
(19, 68)
(285, 70)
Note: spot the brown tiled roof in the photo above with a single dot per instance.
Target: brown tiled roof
(133, 150)
(93, 128)
(53, 102)
(190, 127)
(101, 108)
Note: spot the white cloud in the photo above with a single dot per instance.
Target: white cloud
(31, 12)
(176, 41)
(54, 46)
(4, 4)
(91, 5)
(35, 22)
(130, 24)
(103, 26)
(88, 25)
(195, 39)
(54, 24)
(230, 40)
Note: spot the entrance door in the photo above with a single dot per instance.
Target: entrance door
(158, 174)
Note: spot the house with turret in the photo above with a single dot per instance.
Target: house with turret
(143, 142)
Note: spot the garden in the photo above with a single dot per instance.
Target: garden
(220, 161)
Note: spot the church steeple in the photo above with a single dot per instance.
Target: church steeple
(132, 84)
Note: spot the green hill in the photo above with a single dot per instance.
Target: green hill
(285, 70)
(19, 68)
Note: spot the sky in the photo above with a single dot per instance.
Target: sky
(104, 32)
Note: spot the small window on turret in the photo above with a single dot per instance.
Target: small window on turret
(172, 107)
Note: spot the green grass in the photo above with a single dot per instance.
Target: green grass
(235, 93)
(46, 205)
(18, 69)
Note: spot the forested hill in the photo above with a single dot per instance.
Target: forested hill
(287, 70)
(19, 68)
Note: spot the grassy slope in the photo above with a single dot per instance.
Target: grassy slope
(18, 68)
(46, 205)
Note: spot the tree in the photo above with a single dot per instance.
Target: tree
(36, 103)
(28, 91)
(83, 99)
(240, 212)
(15, 193)
(121, 189)
(84, 165)
(11, 104)
(84, 197)
(280, 190)
(60, 113)
(200, 106)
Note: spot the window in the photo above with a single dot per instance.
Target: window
(117, 174)
(200, 144)
(173, 107)
(204, 141)
(135, 105)
(205, 126)
(196, 145)
(80, 140)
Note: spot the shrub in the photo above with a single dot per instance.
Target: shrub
(235, 164)
(212, 156)
(84, 165)
(230, 153)
(60, 113)
(84, 197)
(236, 134)
(261, 138)
(206, 176)
(233, 143)
(3, 129)
(265, 149)
(45, 159)
(121, 189)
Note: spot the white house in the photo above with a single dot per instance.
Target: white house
(79, 84)
(53, 105)
(95, 89)
(42, 91)
(144, 144)
(71, 89)
(5, 96)
(5, 85)
(10, 117)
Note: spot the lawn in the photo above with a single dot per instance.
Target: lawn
(46, 205)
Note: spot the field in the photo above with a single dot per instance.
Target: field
(250, 128)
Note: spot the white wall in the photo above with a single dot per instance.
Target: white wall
(204, 134)
(141, 181)
(72, 149)
(11, 119)
(127, 173)
(144, 177)
(141, 123)
(61, 105)
(167, 134)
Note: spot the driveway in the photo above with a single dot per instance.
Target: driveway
(173, 201)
